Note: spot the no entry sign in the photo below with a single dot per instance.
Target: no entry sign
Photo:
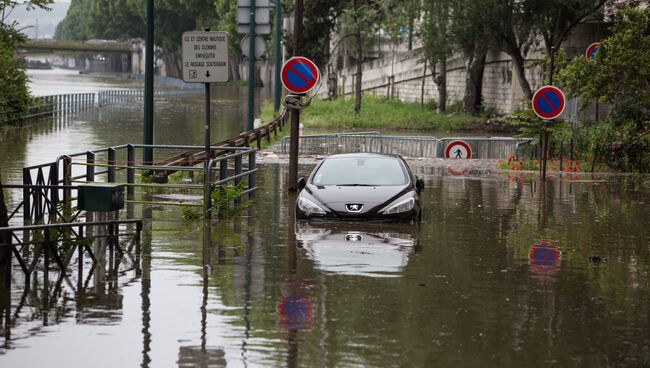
(299, 75)
(548, 102)
(458, 149)
(590, 54)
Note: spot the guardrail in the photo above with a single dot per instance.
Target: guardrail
(48, 189)
(410, 146)
(51, 105)
(105, 98)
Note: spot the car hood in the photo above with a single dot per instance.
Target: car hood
(336, 197)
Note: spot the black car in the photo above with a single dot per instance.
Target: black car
(360, 186)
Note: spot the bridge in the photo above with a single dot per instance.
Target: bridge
(93, 55)
(91, 46)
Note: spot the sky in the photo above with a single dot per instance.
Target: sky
(46, 21)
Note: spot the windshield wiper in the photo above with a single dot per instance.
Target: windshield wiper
(357, 185)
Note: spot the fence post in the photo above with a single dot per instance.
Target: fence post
(27, 199)
(130, 171)
(90, 166)
(111, 165)
(54, 192)
(238, 167)
(67, 192)
(207, 198)
(251, 174)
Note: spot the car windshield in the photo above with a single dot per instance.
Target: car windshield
(363, 171)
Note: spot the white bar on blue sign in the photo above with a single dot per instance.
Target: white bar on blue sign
(258, 3)
(260, 29)
(262, 16)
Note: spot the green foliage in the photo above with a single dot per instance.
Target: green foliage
(382, 113)
(620, 76)
(191, 214)
(223, 199)
(434, 31)
(14, 98)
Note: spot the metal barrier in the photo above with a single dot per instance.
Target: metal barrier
(48, 189)
(52, 105)
(240, 173)
(105, 98)
(410, 146)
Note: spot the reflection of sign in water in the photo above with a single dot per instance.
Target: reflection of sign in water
(544, 258)
(296, 312)
(458, 149)
(457, 172)
(548, 102)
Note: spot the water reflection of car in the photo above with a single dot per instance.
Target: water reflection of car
(357, 248)
(360, 186)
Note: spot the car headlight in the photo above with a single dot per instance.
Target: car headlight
(308, 206)
(399, 207)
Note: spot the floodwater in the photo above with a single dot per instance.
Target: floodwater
(502, 272)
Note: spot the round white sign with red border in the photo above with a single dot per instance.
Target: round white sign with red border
(299, 75)
(458, 149)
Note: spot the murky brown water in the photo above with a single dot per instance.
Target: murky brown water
(500, 274)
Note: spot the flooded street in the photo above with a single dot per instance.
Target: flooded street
(502, 272)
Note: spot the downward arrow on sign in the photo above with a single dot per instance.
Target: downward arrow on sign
(207, 74)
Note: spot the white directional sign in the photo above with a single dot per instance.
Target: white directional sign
(205, 57)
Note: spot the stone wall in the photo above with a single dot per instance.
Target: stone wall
(400, 75)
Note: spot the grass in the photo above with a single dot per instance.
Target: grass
(379, 113)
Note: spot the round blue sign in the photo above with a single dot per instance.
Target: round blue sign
(299, 74)
(548, 102)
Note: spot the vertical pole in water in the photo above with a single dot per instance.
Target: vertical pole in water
(295, 114)
(251, 66)
(278, 57)
(208, 152)
(148, 87)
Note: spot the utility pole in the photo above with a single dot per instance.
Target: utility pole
(148, 87)
(295, 114)
(278, 55)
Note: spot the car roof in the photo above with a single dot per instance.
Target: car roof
(362, 155)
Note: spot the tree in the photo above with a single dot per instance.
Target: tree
(472, 38)
(437, 44)
(518, 25)
(360, 20)
(13, 79)
(620, 76)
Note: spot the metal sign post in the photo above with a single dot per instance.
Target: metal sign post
(205, 60)
(299, 76)
(253, 17)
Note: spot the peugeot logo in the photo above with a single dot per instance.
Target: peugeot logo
(354, 207)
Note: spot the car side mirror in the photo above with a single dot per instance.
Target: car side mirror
(302, 183)
(419, 184)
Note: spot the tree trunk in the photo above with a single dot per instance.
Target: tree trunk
(234, 68)
(518, 63)
(173, 64)
(357, 84)
(441, 81)
(474, 84)
(424, 77)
